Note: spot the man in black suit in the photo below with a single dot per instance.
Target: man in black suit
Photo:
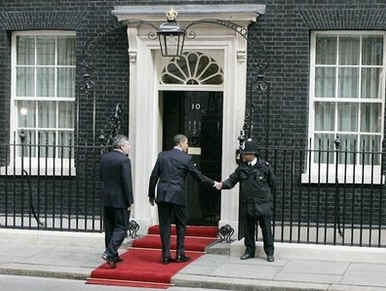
(170, 171)
(117, 197)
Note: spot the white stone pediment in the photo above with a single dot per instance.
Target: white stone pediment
(245, 13)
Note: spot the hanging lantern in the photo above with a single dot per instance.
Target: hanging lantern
(171, 36)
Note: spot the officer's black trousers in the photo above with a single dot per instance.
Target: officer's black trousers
(250, 239)
(115, 222)
(168, 212)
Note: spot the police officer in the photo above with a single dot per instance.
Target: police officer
(257, 183)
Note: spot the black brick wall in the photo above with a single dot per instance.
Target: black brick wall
(283, 31)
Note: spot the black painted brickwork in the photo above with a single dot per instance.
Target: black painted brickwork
(284, 31)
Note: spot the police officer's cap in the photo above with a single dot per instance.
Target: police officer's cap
(250, 147)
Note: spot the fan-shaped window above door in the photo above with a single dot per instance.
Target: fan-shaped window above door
(192, 68)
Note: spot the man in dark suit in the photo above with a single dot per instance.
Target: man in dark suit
(117, 197)
(170, 171)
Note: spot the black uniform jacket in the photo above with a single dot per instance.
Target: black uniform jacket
(170, 171)
(115, 171)
(257, 184)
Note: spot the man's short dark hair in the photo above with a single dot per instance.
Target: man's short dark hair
(179, 138)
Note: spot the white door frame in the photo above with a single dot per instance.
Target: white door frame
(145, 116)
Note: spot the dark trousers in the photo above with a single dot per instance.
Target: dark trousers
(250, 239)
(115, 222)
(167, 213)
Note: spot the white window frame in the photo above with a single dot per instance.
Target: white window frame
(317, 173)
(48, 166)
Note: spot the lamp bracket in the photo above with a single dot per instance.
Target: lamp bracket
(241, 30)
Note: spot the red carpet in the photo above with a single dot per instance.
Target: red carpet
(203, 231)
(197, 244)
(141, 266)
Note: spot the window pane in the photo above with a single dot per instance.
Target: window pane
(169, 79)
(326, 50)
(66, 51)
(25, 50)
(371, 117)
(172, 42)
(25, 113)
(349, 50)
(202, 64)
(47, 114)
(323, 145)
(348, 148)
(348, 82)
(47, 142)
(347, 117)
(30, 139)
(324, 116)
(215, 80)
(66, 139)
(372, 50)
(25, 82)
(66, 82)
(372, 82)
(369, 147)
(45, 50)
(66, 114)
(325, 82)
(45, 82)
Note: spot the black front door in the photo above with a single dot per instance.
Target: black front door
(198, 115)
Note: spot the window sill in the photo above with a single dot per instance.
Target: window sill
(34, 171)
(367, 179)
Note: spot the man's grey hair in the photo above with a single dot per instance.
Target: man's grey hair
(179, 138)
(119, 141)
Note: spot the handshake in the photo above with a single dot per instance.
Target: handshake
(217, 185)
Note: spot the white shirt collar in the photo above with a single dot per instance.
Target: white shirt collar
(253, 162)
(178, 148)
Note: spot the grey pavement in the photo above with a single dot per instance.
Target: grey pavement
(219, 271)
(50, 254)
(22, 283)
(70, 255)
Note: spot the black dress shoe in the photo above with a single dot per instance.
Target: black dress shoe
(247, 256)
(182, 259)
(166, 261)
(109, 260)
(112, 264)
(270, 258)
(118, 259)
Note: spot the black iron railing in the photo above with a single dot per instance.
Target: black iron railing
(51, 187)
(328, 196)
(323, 195)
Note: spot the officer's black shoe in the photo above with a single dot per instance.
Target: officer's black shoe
(182, 259)
(270, 258)
(166, 261)
(246, 256)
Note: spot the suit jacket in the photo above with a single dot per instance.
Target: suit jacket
(170, 171)
(115, 171)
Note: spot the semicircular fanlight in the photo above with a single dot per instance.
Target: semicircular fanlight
(192, 68)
